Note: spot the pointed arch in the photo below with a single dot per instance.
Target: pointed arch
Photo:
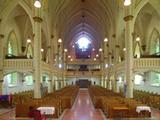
(154, 42)
(12, 44)
(29, 51)
(137, 51)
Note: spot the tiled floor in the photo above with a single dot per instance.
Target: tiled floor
(83, 109)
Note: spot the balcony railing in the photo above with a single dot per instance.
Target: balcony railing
(18, 64)
(83, 73)
(83, 62)
(147, 63)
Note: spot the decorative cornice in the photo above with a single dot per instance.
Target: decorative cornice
(1, 36)
(37, 19)
(128, 18)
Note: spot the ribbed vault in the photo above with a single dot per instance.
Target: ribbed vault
(93, 18)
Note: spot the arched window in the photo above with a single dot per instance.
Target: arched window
(12, 44)
(10, 49)
(12, 79)
(29, 79)
(157, 47)
(137, 53)
(29, 51)
(154, 43)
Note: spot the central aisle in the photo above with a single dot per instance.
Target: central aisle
(83, 109)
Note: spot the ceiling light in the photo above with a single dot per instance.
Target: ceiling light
(97, 55)
(100, 49)
(127, 2)
(71, 59)
(69, 56)
(73, 46)
(65, 50)
(124, 49)
(95, 59)
(105, 40)
(93, 49)
(59, 40)
(37, 4)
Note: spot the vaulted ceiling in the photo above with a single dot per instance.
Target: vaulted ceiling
(73, 18)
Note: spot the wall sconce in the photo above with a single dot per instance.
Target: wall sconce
(138, 39)
(28, 40)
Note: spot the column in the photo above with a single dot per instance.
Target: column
(51, 63)
(116, 61)
(109, 70)
(129, 52)
(1, 61)
(37, 53)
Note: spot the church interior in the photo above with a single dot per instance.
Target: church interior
(79, 59)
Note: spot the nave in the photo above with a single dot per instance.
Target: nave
(81, 104)
(83, 108)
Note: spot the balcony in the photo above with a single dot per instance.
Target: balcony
(141, 64)
(83, 73)
(83, 62)
(23, 65)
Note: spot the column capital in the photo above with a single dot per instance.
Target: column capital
(1, 36)
(128, 18)
(38, 19)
